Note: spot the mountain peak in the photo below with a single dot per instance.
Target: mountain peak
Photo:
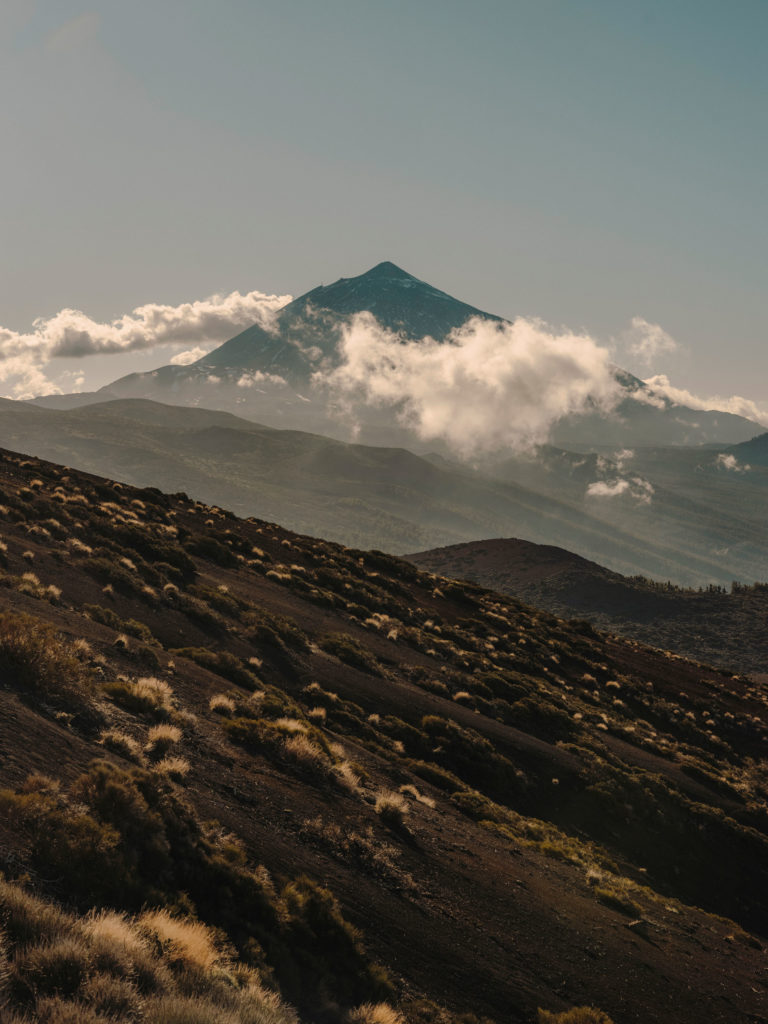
(387, 270)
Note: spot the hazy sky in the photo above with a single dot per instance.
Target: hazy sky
(583, 161)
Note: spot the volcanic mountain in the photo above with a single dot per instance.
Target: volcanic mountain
(266, 372)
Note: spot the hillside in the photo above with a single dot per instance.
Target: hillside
(728, 628)
(387, 498)
(427, 795)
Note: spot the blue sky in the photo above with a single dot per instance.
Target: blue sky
(583, 161)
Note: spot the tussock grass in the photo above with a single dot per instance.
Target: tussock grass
(108, 968)
(176, 768)
(391, 807)
(122, 743)
(221, 704)
(161, 739)
(578, 1015)
(376, 1013)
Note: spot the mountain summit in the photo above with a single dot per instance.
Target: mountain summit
(307, 329)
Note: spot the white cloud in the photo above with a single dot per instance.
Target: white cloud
(71, 333)
(603, 489)
(731, 463)
(639, 490)
(190, 355)
(661, 388)
(646, 341)
(490, 385)
(253, 377)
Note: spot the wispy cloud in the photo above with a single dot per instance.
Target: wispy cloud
(490, 385)
(661, 388)
(647, 341)
(71, 333)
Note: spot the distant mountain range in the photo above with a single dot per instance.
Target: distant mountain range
(265, 374)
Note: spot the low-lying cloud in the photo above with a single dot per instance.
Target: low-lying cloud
(490, 385)
(731, 463)
(613, 483)
(73, 334)
(661, 389)
(635, 487)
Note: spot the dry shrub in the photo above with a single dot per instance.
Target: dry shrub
(176, 768)
(60, 1011)
(38, 660)
(161, 738)
(115, 998)
(154, 691)
(376, 1013)
(346, 776)
(410, 790)
(182, 941)
(121, 743)
(578, 1015)
(290, 725)
(119, 949)
(303, 751)
(26, 919)
(221, 704)
(391, 807)
(57, 967)
(175, 1009)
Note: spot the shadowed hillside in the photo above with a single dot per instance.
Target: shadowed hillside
(347, 782)
(728, 628)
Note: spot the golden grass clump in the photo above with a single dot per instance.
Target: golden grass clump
(182, 940)
(176, 768)
(346, 776)
(376, 1013)
(303, 751)
(161, 738)
(221, 704)
(290, 725)
(121, 743)
(412, 791)
(153, 691)
(578, 1015)
(391, 807)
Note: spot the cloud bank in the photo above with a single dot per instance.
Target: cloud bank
(73, 334)
(490, 385)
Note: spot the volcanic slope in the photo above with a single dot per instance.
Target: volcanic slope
(728, 628)
(426, 794)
